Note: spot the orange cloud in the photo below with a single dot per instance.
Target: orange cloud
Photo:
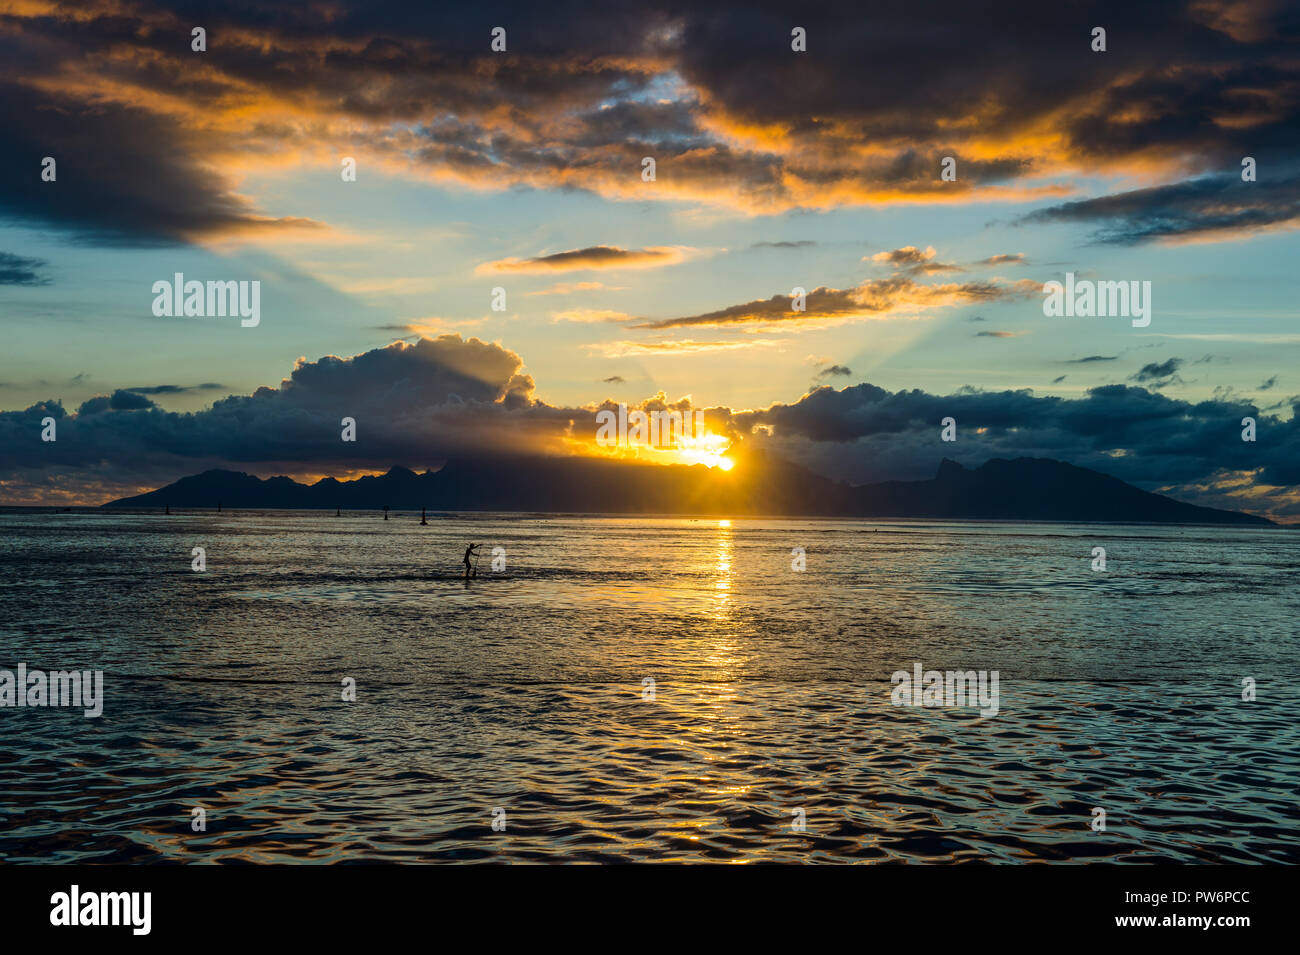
(624, 349)
(874, 299)
(590, 315)
(593, 257)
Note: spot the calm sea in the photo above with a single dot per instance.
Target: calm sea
(767, 734)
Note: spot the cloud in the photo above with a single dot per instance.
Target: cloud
(412, 402)
(834, 370)
(590, 315)
(996, 334)
(1266, 386)
(1091, 358)
(568, 288)
(614, 380)
(415, 403)
(593, 257)
(429, 327)
(420, 403)
(1213, 208)
(1009, 258)
(1058, 379)
(873, 299)
(157, 142)
(866, 433)
(1258, 338)
(125, 175)
(1160, 373)
(906, 256)
(912, 260)
(20, 270)
(797, 244)
(174, 389)
(120, 400)
(625, 349)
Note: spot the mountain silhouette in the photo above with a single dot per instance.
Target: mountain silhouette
(1025, 489)
(1035, 489)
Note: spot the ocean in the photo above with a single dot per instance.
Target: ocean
(646, 689)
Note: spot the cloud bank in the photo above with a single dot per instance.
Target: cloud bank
(421, 403)
(153, 139)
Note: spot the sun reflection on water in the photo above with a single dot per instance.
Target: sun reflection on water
(722, 571)
(722, 648)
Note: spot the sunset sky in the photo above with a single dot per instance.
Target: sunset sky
(522, 170)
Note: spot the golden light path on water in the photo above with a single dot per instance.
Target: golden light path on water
(705, 723)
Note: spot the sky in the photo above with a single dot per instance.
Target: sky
(794, 146)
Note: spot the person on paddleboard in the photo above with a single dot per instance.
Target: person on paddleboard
(469, 551)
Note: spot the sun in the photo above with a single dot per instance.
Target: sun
(701, 447)
(707, 449)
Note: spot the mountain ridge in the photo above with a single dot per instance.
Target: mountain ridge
(1026, 489)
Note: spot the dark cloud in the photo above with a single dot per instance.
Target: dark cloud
(798, 244)
(1058, 379)
(1043, 61)
(415, 403)
(120, 400)
(143, 128)
(614, 380)
(1210, 207)
(995, 334)
(832, 371)
(1091, 358)
(19, 270)
(418, 404)
(1159, 373)
(175, 389)
(866, 433)
(124, 175)
(1268, 384)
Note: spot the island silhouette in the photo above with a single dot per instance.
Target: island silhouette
(1023, 489)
